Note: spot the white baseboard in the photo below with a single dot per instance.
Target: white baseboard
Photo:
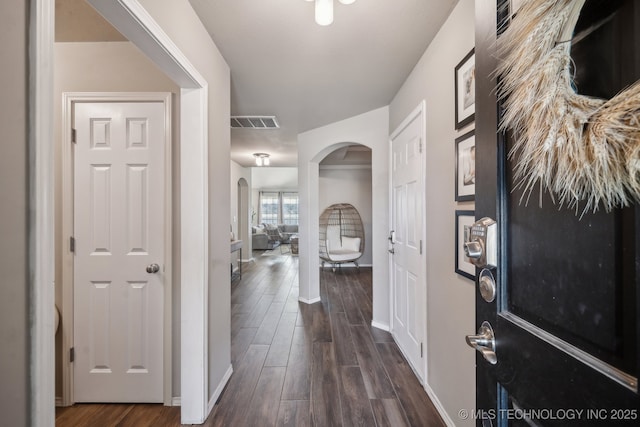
(382, 326)
(58, 401)
(218, 391)
(176, 401)
(309, 301)
(436, 402)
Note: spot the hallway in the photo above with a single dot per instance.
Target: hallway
(294, 363)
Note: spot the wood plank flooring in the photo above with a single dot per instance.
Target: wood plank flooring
(296, 364)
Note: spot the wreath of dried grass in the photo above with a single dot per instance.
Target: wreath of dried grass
(580, 149)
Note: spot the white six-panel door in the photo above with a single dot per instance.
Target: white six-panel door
(407, 274)
(119, 232)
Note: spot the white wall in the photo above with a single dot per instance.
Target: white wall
(349, 185)
(178, 19)
(370, 129)
(112, 67)
(450, 297)
(266, 178)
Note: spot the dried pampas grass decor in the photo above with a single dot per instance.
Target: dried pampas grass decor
(582, 150)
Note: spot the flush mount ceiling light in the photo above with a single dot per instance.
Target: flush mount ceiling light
(324, 10)
(262, 159)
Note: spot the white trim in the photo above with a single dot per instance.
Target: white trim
(66, 304)
(218, 391)
(41, 205)
(70, 99)
(168, 253)
(176, 401)
(309, 301)
(134, 22)
(382, 326)
(194, 256)
(59, 401)
(419, 111)
(436, 402)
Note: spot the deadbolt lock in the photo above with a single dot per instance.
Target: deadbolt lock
(481, 243)
(487, 285)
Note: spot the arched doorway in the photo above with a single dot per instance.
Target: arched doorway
(370, 129)
(345, 177)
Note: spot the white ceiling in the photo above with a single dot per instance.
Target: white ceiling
(284, 64)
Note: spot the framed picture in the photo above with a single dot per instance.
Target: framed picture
(464, 220)
(465, 78)
(466, 167)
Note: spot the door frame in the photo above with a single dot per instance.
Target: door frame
(135, 23)
(70, 100)
(420, 113)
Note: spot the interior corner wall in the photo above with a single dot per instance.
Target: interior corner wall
(370, 129)
(450, 297)
(14, 211)
(353, 186)
(114, 67)
(180, 22)
(238, 172)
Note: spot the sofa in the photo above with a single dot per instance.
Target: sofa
(267, 236)
(287, 230)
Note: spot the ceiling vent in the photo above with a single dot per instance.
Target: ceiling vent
(254, 122)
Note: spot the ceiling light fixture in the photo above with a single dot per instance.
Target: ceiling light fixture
(262, 159)
(324, 10)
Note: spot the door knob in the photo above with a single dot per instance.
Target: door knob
(153, 268)
(484, 342)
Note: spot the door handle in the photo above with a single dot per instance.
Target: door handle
(484, 342)
(473, 250)
(153, 268)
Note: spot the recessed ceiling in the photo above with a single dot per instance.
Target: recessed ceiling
(351, 155)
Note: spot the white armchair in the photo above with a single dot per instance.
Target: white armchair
(341, 249)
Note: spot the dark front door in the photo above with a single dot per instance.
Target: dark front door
(565, 316)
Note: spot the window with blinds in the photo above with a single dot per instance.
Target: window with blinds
(289, 208)
(269, 204)
(278, 207)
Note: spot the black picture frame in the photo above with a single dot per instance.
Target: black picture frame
(464, 219)
(465, 148)
(465, 83)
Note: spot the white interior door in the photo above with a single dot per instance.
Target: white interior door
(407, 272)
(119, 232)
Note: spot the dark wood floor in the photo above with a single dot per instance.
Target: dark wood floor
(297, 364)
